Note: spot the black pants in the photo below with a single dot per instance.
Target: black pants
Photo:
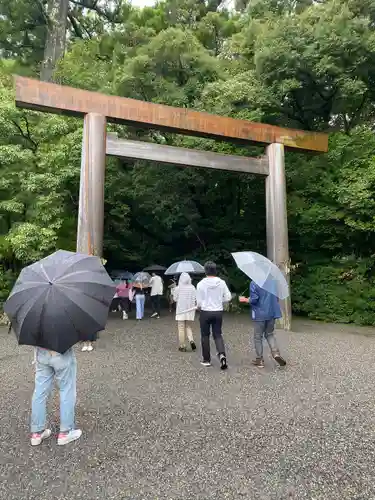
(125, 304)
(155, 301)
(211, 321)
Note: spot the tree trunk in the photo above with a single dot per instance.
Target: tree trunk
(56, 37)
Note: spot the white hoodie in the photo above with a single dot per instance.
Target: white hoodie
(212, 292)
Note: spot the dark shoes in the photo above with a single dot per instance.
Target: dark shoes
(193, 345)
(258, 362)
(182, 349)
(279, 360)
(223, 362)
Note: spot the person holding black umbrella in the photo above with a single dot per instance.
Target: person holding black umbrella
(56, 303)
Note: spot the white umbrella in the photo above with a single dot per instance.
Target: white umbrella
(263, 272)
(185, 266)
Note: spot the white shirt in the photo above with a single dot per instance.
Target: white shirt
(156, 286)
(212, 293)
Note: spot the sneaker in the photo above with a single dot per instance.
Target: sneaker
(205, 363)
(84, 347)
(223, 362)
(154, 315)
(68, 437)
(124, 315)
(281, 361)
(36, 438)
(258, 362)
(90, 348)
(193, 345)
(182, 349)
(157, 316)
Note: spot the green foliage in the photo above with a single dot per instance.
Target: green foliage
(296, 63)
(339, 291)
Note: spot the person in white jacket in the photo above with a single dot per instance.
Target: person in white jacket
(212, 293)
(185, 296)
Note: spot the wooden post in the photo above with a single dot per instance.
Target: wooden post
(91, 192)
(277, 222)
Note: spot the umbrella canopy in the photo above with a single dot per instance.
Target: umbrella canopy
(141, 279)
(60, 301)
(185, 266)
(122, 275)
(155, 268)
(263, 272)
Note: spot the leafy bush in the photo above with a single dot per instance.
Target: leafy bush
(340, 291)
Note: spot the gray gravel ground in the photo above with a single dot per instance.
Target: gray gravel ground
(158, 426)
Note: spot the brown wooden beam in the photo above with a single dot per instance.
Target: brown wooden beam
(139, 150)
(42, 96)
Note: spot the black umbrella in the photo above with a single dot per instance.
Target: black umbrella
(60, 300)
(155, 268)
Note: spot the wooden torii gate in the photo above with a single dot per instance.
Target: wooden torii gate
(97, 109)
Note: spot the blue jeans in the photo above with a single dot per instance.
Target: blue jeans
(140, 306)
(265, 329)
(52, 366)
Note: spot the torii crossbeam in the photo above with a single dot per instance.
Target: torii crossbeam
(97, 109)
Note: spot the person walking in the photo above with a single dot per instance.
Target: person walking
(156, 293)
(212, 293)
(265, 310)
(123, 290)
(139, 294)
(61, 368)
(171, 289)
(185, 296)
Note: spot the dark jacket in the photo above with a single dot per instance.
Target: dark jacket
(264, 305)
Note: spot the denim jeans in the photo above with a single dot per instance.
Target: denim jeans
(264, 329)
(140, 306)
(51, 366)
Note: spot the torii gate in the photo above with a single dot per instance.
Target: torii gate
(97, 109)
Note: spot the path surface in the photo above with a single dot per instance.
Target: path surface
(159, 426)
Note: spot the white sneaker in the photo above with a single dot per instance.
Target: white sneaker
(154, 315)
(90, 348)
(84, 347)
(205, 363)
(124, 315)
(37, 437)
(68, 437)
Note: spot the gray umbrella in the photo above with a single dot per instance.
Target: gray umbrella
(60, 301)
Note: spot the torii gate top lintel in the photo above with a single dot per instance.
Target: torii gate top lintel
(43, 96)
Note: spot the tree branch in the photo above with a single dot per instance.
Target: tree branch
(111, 17)
(76, 28)
(27, 136)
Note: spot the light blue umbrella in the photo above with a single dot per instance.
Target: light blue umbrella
(263, 272)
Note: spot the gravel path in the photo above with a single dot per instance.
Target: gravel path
(159, 426)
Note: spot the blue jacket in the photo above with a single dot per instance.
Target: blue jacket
(264, 305)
